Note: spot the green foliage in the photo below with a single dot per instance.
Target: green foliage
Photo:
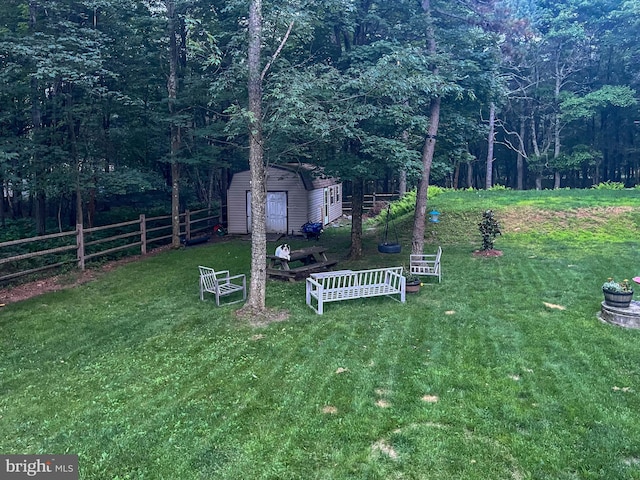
(435, 191)
(617, 287)
(407, 203)
(609, 185)
(85, 89)
(498, 188)
(489, 229)
(574, 107)
(402, 206)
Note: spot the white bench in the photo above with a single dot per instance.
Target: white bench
(220, 283)
(426, 264)
(349, 284)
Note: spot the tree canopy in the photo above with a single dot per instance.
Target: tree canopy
(103, 99)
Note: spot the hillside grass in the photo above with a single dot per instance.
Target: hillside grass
(502, 371)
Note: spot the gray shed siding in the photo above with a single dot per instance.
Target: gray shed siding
(335, 202)
(302, 205)
(317, 203)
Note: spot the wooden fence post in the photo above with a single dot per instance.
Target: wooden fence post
(143, 234)
(80, 245)
(187, 224)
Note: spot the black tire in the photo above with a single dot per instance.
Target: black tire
(389, 248)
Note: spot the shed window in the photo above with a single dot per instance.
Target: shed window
(331, 196)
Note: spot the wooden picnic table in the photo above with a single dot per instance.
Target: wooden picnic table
(301, 263)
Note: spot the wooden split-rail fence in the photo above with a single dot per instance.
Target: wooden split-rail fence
(84, 244)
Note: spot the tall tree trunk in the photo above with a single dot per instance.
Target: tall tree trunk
(402, 180)
(490, 143)
(417, 241)
(224, 187)
(2, 204)
(172, 90)
(428, 150)
(469, 174)
(73, 143)
(456, 176)
(521, 152)
(257, 291)
(402, 183)
(41, 212)
(36, 121)
(556, 133)
(357, 201)
(536, 150)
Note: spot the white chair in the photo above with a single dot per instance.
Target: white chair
(426, 264)
(221, 284)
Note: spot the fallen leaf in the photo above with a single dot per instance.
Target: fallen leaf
(341, 370)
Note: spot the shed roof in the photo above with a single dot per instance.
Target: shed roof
(312, 176)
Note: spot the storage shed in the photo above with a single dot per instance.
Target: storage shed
(296, 194)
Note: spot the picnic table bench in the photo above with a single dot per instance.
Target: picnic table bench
(301, 263)
(350, 284)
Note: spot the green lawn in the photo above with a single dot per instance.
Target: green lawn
(502, 371)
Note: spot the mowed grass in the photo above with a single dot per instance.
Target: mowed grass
(502, 371)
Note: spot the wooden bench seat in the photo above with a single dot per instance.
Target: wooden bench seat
(301, 272)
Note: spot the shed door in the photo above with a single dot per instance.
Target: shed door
(276, 212)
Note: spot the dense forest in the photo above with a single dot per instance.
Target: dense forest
(111, 102)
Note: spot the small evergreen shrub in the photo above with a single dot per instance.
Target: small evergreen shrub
(489, 229)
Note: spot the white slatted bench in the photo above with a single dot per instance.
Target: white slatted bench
(350, 284)
(426, 264)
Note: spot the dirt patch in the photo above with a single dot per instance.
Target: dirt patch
(430, 398)
(383, 447)
(66, 280)
(529, 219)
(261, 318)
(487, 253)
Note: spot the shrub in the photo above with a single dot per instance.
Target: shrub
(489, 229)
(498, 188)
(609, 185)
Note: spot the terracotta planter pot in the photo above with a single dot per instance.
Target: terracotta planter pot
(617, 299)
(412, 287)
